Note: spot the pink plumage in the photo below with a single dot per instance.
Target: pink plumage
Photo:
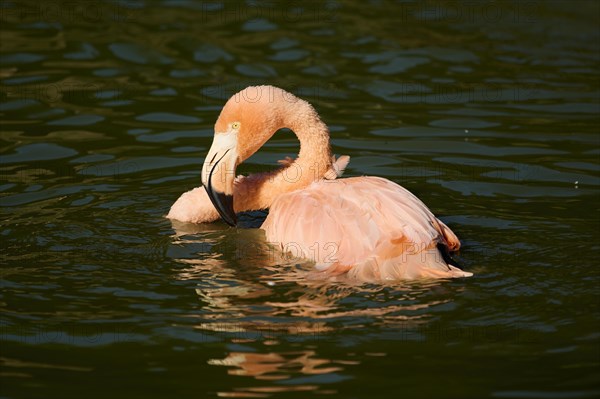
(368, 227)
(365, 228)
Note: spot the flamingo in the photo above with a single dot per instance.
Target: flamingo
(365, 228)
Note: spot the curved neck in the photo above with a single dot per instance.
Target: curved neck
(258, 191)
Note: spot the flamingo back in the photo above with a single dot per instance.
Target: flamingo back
(370, 227)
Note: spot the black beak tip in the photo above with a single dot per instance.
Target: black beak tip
(229, 217)
(224, 205)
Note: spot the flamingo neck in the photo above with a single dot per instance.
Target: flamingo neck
(259, 191)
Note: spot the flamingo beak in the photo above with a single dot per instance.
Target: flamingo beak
(218, 175)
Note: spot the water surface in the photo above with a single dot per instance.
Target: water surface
(488, 111)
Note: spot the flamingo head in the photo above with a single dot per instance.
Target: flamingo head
(247, 121)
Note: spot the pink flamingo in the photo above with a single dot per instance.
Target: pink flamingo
(367, 228)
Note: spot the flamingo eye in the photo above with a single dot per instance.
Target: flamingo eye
(235, 125)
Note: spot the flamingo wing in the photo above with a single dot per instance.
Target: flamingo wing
(367, 226)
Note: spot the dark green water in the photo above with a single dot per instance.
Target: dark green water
(488, 111)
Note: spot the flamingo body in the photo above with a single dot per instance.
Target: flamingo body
(369, 227)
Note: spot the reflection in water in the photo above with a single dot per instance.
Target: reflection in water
(262, 296)
(236, 271)
(278, 367)
(275, 366)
